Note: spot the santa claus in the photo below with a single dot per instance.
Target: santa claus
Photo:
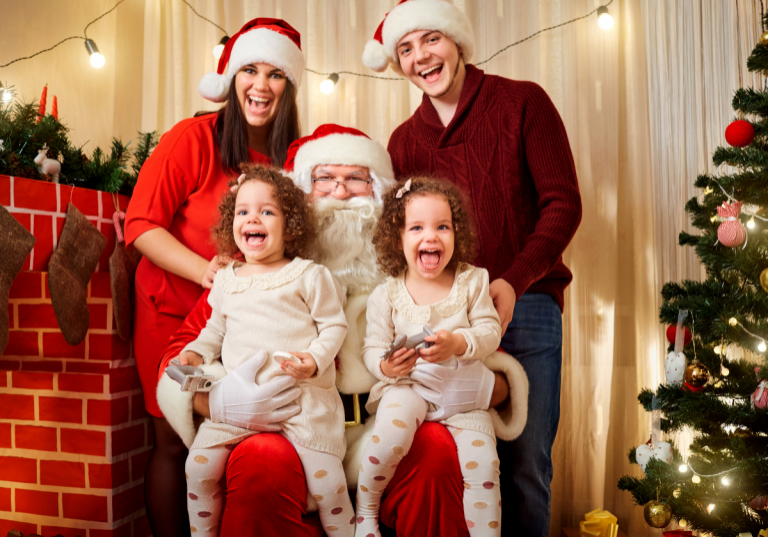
(345, 174)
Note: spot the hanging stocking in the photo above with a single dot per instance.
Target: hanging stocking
(69, 271)
(122, 267)
(15, 245)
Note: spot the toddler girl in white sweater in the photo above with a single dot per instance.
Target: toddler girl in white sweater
(424, 240)
(273, 300)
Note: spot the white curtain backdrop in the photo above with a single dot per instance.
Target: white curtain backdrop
(644, 103)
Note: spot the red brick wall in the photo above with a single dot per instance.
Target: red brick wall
(74, 435)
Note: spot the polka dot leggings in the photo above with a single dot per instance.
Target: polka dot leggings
(401, 411)
(325, 482)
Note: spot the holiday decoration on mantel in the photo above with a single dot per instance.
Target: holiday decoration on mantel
(717, 485)
(15, 244)
(48, 166)
(69, 272)
(26, 129)
(122, 268)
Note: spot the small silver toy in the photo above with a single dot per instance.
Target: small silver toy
(415, 341)
(191, 378)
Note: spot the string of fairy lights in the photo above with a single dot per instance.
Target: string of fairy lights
(97, 60)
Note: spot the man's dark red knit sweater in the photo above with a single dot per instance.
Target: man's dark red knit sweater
(506, 148)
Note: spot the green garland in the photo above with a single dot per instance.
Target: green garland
(23, 135)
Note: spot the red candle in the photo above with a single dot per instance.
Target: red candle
(55, 109)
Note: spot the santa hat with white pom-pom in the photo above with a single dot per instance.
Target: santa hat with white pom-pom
(261, 40)
(411, 15)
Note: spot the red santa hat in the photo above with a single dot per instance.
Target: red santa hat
(261, 40)
(333, 144)
(411, 15)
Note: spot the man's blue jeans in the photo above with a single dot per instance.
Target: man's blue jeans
(535, 338)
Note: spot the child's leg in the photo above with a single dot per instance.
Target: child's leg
(327, 484)
(480, 470)
(205, 467)
(400, 413)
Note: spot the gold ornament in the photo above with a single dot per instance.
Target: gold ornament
(696, 375)
(657, 514)
(764, 38)
(764, 280)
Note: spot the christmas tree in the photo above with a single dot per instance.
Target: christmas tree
(722, 485)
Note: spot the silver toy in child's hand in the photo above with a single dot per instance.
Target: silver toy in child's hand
(191, 378)
(281, 356)
(413, 342)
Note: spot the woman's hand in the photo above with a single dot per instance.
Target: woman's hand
(300, 371)
(400, 363)
(445, 346)
(213, 267)
(190, 358)
(504, 298)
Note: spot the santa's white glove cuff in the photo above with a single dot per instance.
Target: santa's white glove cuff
(467, 387)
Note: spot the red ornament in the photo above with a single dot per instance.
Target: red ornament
(740, 133)
(731, 232)
(758, 503)
(672, 333)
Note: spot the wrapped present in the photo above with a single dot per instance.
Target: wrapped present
(678, 533)
(599, 523)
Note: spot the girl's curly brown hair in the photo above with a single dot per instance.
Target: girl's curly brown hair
(387, 236)
(300, 226)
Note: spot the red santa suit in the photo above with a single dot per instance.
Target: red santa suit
(179, 189)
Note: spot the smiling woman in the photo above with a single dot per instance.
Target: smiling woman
(174, 205)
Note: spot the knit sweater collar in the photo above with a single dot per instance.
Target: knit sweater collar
(472, 83)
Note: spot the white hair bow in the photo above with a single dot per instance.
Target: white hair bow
(234, 188)
(406, 188)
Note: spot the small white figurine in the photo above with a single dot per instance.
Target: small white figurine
(47, 165)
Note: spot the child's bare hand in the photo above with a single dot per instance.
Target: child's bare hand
(400, 363)
(210, 272)
(301, 371)
(445, 346)
(190, 358)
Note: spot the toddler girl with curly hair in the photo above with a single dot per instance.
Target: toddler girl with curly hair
(273, 300)
(424, 241)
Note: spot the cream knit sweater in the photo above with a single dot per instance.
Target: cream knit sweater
(297, 309)
(467, 310)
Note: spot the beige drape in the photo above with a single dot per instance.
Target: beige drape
(644, 103)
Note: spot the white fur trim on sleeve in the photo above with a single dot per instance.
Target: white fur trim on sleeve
(510, 422)
(352, 375)
(265, 46)
(428, 15)
(176, 405)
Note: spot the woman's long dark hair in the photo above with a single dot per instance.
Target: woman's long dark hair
(232, 132)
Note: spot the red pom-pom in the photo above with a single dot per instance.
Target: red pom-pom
(672, 333)
(740, 133)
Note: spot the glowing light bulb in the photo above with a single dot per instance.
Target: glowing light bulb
(604, 19)
(710, 508)
(7, 95)
(676, 494)
(733, 321)
(327, 85)
(762, 346)
(696, 479)
(682, 522)
(718, 349)
(725, 481)
(724, 371)
(751, 223)
(683, 468)
(97, 60)
(218, 49)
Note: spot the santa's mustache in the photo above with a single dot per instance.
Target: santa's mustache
(344, 241)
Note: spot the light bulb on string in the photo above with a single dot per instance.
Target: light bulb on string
(696, 479)
(733, 321)
(725, 481)
(327, 85)
(751, 223)
(761, 347)
(6, 94)
(218, 49)
(718, 349)
(682, 522)
(683, 468)
(97, 60)
(724, 371)
(604, 19)
(710, 508)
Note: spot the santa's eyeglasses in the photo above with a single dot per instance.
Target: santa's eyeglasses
(353, 185)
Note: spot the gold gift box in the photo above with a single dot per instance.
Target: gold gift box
(599, 523)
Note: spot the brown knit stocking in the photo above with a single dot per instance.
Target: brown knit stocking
(69, 271)
(15, 244)
(122, 268)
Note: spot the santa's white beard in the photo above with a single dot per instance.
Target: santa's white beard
(344, 244)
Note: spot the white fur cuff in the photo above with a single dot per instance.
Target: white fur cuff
(510, 422)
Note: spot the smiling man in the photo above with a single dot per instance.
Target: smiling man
(504, 145)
